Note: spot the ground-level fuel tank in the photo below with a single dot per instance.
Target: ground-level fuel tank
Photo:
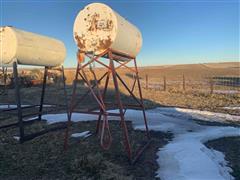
(97, 27)
(28, 48)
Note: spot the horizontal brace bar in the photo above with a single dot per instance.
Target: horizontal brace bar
(124, 105)
(32, 114)
(8, 125)
(16, 124)
(34, 135)
(96, 113)
(13, 109)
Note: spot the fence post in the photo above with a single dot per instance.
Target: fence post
(211, 85)
(184, 87)
(164, 83)
(146, 81)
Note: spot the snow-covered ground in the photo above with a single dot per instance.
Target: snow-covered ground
(16, 138)
(185, 157)
(226, 91)
(10, 106)
(6, 106)
(199, 115)
(232, 107)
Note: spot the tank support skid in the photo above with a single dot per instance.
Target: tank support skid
(27, 119)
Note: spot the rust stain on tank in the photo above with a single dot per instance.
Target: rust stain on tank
(80, 41)
(81, 57)
(99, 24)
(109, 25)
(94, 21)
(103, 44)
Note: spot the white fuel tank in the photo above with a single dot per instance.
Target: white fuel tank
(97, 27)
(28, 48)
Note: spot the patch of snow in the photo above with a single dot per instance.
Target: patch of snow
(232, 108)
(189, 158)
(16, 137)
(11, 106)
(185, 157)
(48, 105)
(84, 134)
(62, 117)
(198, 114)
(226, 91)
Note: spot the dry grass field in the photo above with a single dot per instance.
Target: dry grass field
(44, 158)
(192, 71)
(197, 86)
(173, 72)
(197, 93)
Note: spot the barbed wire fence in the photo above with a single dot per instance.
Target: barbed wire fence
(205, 84)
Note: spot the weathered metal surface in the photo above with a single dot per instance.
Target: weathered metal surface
(97, 27)
(29, 49)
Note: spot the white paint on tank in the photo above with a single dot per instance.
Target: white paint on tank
(28, 48)
(97, 27)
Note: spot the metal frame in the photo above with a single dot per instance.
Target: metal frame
(102, 126)
(21, 123)
(3, 71)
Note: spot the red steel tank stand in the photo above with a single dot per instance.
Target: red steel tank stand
(102, 127)
(22, 118)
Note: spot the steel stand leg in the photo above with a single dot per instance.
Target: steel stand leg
(18, 99)
(3, 72)
(98, 97)
(71, 108)
(101, 111)
(43, 92)
(123, 123)
(65, 92)
(4, 79)
(66, 100)
(141, 99)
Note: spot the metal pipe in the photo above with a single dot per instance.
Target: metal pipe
(18, 101)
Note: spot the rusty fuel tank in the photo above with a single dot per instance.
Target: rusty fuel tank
(28, 48)
(97, 27)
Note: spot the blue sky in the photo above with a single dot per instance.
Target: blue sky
(174, 32)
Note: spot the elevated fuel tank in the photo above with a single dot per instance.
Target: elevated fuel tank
(97, 27)
(29, 48)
